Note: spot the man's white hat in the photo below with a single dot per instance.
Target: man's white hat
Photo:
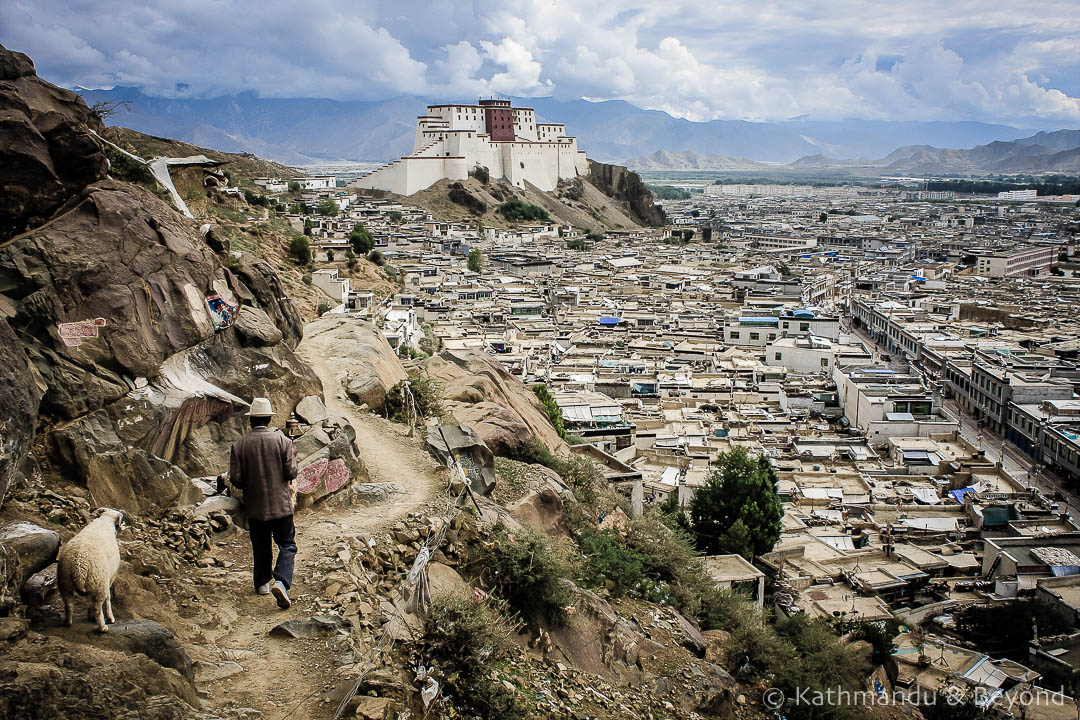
(260, 407)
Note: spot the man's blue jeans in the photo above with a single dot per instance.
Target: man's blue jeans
(283, 533)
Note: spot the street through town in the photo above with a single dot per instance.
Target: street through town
(994, 446)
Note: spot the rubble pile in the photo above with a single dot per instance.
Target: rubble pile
(190, 535)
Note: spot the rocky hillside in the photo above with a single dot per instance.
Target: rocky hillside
(627, 189)
(603, 201)
(131, 342)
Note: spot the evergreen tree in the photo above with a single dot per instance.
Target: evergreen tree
(738, 510)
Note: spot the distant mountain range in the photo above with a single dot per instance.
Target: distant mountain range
(306, 131)
(1043, 152)
(691, 160)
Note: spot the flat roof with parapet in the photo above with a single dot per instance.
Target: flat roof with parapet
(484, 107)
(730, 568)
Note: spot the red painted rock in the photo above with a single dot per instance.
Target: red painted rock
(309, 477)
(336, 475)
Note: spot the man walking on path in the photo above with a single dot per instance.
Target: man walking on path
(263, 465)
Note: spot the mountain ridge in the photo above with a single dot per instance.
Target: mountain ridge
(305, 131)
(1043, 152)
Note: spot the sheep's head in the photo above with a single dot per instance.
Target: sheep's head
(116, 516)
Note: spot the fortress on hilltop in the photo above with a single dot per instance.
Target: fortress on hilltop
(452, 140)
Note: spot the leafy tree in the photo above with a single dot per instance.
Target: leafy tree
(294, 186)
(329, 255)
(377, 257)
(361, 239)
(476, 260)
(738, 509)
(687, 235)
(300, 249)
(595, 235)
(255, 199)
(823, 217)
(576, 244)
(1007, 628)
(395, 217)
(327, 207)
(668, 192)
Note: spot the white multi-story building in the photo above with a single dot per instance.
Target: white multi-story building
(1029, 194)
(452, 140)
(1018, 262)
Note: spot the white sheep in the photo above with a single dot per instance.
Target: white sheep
(87, 565)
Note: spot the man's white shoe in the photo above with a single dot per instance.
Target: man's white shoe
(263, 589)
(281, 595)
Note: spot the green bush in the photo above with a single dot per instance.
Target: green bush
(515, 210)
(583, 476)
(525, 569)
(430, 343)
(256, 200)
(610, 562)
(536, 452)
(426, 392)
(377, 257)
(577, 244)
(551, 408)
(465, 643)
(328, 207)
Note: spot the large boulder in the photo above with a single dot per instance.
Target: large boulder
(360, 354)
(448, 443)
(20, 394)
(541, 510)
(47, 677)
(130, 636)
(25, 549)
(143, 349)
(477, 391)
(256, 328)
(257, 284)
(48, 152)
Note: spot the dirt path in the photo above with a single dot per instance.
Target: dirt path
(289, 678)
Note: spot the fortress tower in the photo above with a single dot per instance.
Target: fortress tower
(451, 140)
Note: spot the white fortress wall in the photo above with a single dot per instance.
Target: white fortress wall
(451, 140)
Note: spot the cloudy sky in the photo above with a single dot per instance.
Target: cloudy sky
(988, 60)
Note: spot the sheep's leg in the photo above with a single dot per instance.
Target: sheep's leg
(98, 602)
(108, 606)
(68, 603)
